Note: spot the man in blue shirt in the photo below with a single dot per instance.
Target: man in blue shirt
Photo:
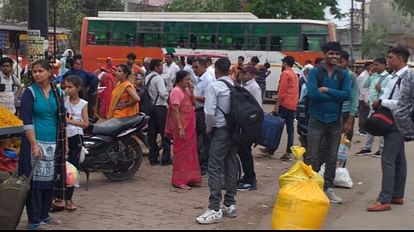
(325, 124)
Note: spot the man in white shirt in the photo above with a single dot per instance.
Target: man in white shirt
(201, 86)
(189, 68)
(158, 115)
(169, 71)
(363, 109)
(393, 161)
(223, 157)
(10, 85)
(248, 182)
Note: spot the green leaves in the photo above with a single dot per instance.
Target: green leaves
(309, 9)
(374, 43)
(406, 6)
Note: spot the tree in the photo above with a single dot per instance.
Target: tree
(374, 42)
(203, 6)
(309, 9)
(69, 13)
(406, 6)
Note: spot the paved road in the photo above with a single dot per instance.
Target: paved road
(148, 201)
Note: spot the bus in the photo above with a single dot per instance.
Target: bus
(9, 33)
(153, 34)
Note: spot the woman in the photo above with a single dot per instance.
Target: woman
(43, 145)
(124, 101)
(181, 126)
(107, 80)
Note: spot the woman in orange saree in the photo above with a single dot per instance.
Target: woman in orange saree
(181, 126)
(124, 101)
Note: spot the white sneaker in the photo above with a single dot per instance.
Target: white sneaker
(333, 198)
(210, 216)
(230, 211)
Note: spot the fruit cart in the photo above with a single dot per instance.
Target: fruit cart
(11, 130)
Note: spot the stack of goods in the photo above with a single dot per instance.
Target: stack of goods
(9, 148)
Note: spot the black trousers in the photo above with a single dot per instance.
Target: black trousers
(38, 204)
(75, 147)
(246, 158)
(203, 141)
(156, 125)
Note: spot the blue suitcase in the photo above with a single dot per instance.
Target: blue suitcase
(272, 131)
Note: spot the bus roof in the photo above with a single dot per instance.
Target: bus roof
(23, 27)
(238, 17)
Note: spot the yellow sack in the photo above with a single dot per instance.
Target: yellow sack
(302, 205)
(300, 171)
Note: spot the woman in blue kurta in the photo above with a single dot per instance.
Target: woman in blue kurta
(42, 145)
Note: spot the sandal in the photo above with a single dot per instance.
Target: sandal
(182, 186)
(70, 206)
(57, 205)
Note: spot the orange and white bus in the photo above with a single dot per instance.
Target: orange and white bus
(152, 34)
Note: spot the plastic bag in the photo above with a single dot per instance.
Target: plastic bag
(300, 171)
(72, 175)
(343, 150)
(302, 205)
(342, 177)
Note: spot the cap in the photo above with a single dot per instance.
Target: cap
(249, 69)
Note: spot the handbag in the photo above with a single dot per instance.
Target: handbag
(381, 122)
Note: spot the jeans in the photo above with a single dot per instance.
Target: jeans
(263, 87)
(156, 125)
(289, 117)
(246, 158)
(203, 141)
(394, 167)
(38, 204)
(223, 160)
(330, 135)
(363, 111)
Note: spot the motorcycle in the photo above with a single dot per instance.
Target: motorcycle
(112, 147)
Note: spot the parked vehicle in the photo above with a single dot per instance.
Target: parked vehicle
(112, 147)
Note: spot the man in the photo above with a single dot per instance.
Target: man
(235, 69)
(248, 181)
(363, 99)
(201, 86)
(135, 69)
(393, 161)
(223, 158)
(158, 116)
(287, 102)
(325, 122)
(170, 69)
(349, 108)
(189, 68)
(376, 84)
(10, 85)
(262, 73)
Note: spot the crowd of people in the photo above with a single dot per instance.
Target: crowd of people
(189, 106)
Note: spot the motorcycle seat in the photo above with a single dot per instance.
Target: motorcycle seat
(114, 126)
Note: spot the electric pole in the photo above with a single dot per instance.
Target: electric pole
(352, 32)
(38, 29)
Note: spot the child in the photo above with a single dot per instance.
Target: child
(77, 119)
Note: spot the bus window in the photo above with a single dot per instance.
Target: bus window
(305, 43)
(99, 29)
(230, 36)
(291, 43)
(193, 41)
(315, 42)
(275, 43)
(256, 43)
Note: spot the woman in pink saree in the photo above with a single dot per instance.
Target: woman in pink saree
(107, 80)
(181, 126)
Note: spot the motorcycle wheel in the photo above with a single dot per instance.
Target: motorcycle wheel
(133, 149)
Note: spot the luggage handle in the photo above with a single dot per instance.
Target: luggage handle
(37, 160)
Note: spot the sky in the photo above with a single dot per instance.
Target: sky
(345, 6)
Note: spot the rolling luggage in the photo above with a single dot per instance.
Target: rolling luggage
(13, 194)
(272, 131)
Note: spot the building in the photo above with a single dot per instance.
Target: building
(144, 5)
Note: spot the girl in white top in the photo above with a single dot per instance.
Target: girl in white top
(77, 120)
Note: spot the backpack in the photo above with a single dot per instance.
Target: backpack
(146, 104)
(302, 112)
(245, 119)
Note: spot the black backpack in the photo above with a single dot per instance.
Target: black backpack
(302, 112)
(146, 105)
(245, 119)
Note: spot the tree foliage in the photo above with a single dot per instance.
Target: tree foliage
(203, 6)
(309, 9)
(69, 12)
(406, 6)
(374, 42)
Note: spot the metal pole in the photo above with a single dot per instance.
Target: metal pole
(363, 26)
(54, 30)
(352, 31)
(38, 26)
